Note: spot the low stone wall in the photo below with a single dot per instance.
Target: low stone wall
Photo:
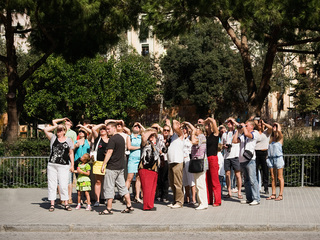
(306, 132)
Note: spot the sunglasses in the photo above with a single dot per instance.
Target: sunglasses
(136, 126)
(166, 130)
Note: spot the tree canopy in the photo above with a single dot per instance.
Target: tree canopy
(202, 69)
(71, 28)
(92, 88)
(280, 26)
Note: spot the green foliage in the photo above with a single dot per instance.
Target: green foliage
(202, 69)
(307, 94)
(299, 145)
(90, 88)
(32, 147)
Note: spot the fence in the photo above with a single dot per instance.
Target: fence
(300, 170)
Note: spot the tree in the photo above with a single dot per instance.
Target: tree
(279, 26)
(72, 28)
(93, 88)
(202, 69)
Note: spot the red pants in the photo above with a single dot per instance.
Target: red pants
(212, 179)
(148, 184)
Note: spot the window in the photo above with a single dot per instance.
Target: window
(145, 50)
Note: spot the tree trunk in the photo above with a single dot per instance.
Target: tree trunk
(12, 131)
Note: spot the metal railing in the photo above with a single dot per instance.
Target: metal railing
(23, 171)
(300, 170)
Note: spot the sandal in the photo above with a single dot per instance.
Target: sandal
(106, 212)
(128, 209)
(68, 208)
(51, 209)
(227, 196)
(240, 197)
(279, 198)
(272, 197)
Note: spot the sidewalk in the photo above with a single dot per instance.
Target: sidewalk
(27, 210)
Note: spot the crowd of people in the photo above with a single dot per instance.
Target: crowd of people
(194, 160)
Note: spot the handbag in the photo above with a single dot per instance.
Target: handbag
(94, 152)
(247, 155)
(96, 168)
(196, 165)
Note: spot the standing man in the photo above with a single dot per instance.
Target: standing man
(175, 161)
(247, 158)
(231, 157)
(115, 162)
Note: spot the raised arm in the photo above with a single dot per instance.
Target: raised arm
(48, 131)
(146, 134)
(95, 130)
(268, 126)
(56, 121)
(129, 146)
(213, 126)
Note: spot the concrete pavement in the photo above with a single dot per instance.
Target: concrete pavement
(26, 210)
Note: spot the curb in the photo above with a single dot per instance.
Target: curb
(156, 228)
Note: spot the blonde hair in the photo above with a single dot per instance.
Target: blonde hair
(220, 147)
(88, 158)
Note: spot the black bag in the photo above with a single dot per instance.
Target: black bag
(247, 155)
(196, 165)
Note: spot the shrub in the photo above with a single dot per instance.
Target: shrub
(30, 147)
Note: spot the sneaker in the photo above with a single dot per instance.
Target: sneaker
(254, 202)
(234, 190)
(78, 207)
(170, 205)
(245, 202)
(96, 204)
(177, 205)
(88, 208)
(201, 207)
(165, 200)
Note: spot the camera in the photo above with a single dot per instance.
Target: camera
(239, 126)
(257, 118)
(164, 150)
(228, 147)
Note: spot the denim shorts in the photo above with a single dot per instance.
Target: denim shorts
(275, 162)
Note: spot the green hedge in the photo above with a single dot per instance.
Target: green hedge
(41, 147)
(299, 145)
(30, 147)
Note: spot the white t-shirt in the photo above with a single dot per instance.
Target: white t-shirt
(227, 139)
(175, 150)
(263, 141)
(221, 164)
(248, 144)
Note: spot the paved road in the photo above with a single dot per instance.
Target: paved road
(160, 235)
(26, 210)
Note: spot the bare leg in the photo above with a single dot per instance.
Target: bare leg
(228, 182)
(138, 186)
(187, 190)
(88, 198)
(129, 180)
(281, 180)
(97, 187)
(79, 197)
(239, 182)
(193, 193)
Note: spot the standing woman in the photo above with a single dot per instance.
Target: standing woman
(100, 143)
(275, 161)
(213, 183)
(261, 149)
(188, 179)
(134, 145)
(82, 145)
(61, 162)
(148, 168)
(198, 150)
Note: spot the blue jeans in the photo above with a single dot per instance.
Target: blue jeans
(251, 185)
